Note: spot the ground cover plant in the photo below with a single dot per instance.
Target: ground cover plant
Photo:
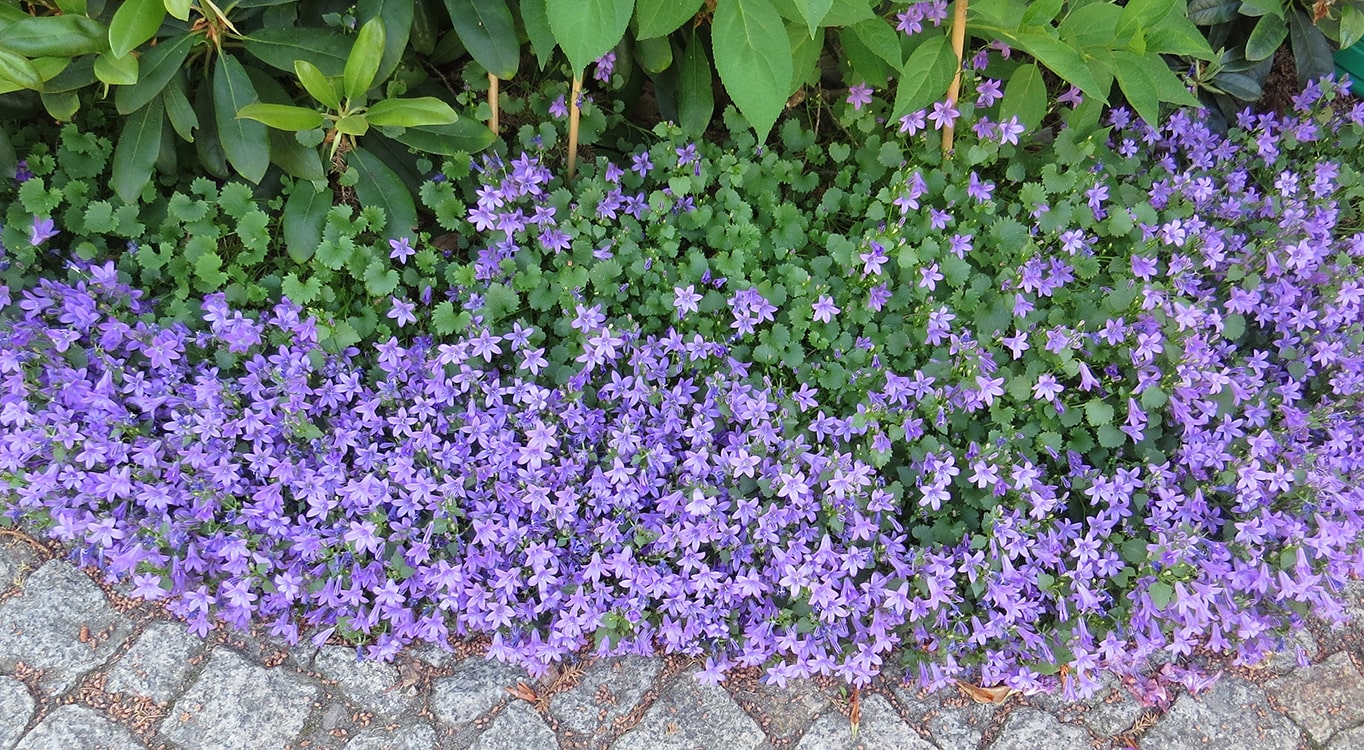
(1014, 423)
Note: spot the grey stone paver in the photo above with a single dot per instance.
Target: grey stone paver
(370, 684)
(607, 691)
(1350, 739)
(692, 715)
(516, 728)
(16, 710)
(1323, 698)
(1030, 729)
(879, 728)
(476, 687)
(157, 664)
(236, 704)
(1234, 713)
(409, 737)
(70, 727)
(17, 560)
(60, 624)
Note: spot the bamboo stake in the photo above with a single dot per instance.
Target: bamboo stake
(573, 113)
(958, 43)
(492, 101)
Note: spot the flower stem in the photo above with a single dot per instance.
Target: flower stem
(492, 102)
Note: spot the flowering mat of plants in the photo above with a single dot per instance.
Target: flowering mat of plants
(138, 679)
(1088, 433)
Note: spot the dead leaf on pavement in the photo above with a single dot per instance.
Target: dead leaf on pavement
(855, 710)
(524, 692)
(995, 695)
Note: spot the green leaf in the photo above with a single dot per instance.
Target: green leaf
(305, 217)
(1110, 436)
(208, 271)
(656, 18)
(54, 36)
(1311, 49)
(1177, 35)
(178, 8)
(1143, 14)
(1169, 87)
(588, 29)
(294, 158)
(535, 17)
(926, 75)
(1351, 26)
(18, 69)
(1098, 412)
(1025, 97)
(1137, 85)
(397, 16)
(1266, 38)
(1061, 59)
(179, 111)
(1040, 12)
(695, 96)
(283, 116)
(135, 154)
(61, 105)
(1160, 594)
(813, 11)
(317, 85)
(753, 57)
(363, 62)
(881, 39)
(244, 142)
(353, 125)
(1211, 12)
(407, 113)
(380, 280)
(279, 47)
(158, 65)
(447, 321)
(116, 71)
(488, 32)
(300, 292)
(1264, 7)
(1153, 398)
(381, 186)
(133, 23)
(464, 136)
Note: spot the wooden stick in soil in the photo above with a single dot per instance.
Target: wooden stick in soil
(492, 101)
(958, 43)
(573, 114)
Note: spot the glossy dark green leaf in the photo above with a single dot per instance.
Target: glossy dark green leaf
(61, 105)
(380, 186)
(588, 29)
(282, 116)
(116, 71)
(20, 70)
(398, 16)
(655, 54)
(179, 111)
(136, 151)
(410, 112)
(157, 67)
(467, 136)
(1209, 12)
(695, 95)
(489, 34)
(133, 23)
(54, 36)
(244, 141)
(305, 216)
(1266, 38)
(280, 47)
(1311, 50)
(753, 57)
(294, 158)
(656, 18)
(362, 64)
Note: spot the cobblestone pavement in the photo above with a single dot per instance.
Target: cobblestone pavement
(82, 666)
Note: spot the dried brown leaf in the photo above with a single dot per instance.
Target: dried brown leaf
(995, 695)
(524, 692)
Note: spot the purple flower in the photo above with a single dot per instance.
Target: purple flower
(558, 109)
(402, 311)
(400, 249)
(685, 300)
(943, 114)
(42, 230)
(859, 95)
(1009, 131)
(824, 309)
